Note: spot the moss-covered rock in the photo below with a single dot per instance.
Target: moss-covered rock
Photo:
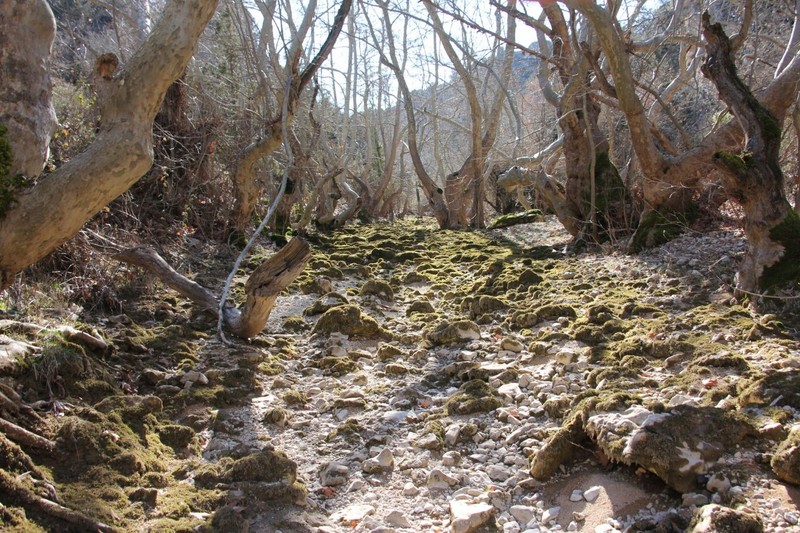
(337, 366)
(379, 288)
(722, 519)
(474, 396)
(295, 324)
(780, 388)
(786, 461)
(420, 306)
(447, 333)
(349, 320)
(526, 217)
(325, 303)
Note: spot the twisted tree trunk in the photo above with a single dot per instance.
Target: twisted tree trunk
(753, 176)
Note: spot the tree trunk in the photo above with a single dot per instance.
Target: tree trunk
(753, 177)
(55, 209)
(246, 189)
(27, 31)
(262, 288)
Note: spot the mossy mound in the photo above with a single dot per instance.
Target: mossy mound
(295, 324)
(447, 333)
(485, 305)
(656, 228)
(349, 320)
(327, 302)
(388, 351)
(569, 441)
(337, 366)
(676, 446)
(786, 460)
(474, 396)
(420, 306)
(379, 288)
(780, 388)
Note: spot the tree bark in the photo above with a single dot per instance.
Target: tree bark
(753, 176)
(27, 31)
(55, 209)
(262, 288)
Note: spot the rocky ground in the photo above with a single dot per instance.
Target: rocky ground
(422, 380)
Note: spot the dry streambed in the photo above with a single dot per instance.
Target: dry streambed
(423, 380)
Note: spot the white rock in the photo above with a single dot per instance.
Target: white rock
(439, 480)
(511, 344)
(576, 496)
(718, 483)
(467, 517)
(451, 458)
(693, 498)
(397, 518)
(550, 514)
(353, 513)
(409, 489)
(591, 494)
(565, 356)
(333, 474)
(511, 527)
(451, 434)
(383, 462)
(498, 473)
(523, 513)
(605, 528)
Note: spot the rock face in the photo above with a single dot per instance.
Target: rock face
(786, 461)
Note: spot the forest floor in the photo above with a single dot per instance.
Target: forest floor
(416, 380)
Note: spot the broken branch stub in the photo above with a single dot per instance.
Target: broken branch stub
(262, 288)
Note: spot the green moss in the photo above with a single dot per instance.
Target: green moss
(294, 397)
(295, 324)
(349, 320)
(656, 228)
(526, 217)
(9, 184)
(474, 396)
(337, 366)
(787, 269)
(779, 388)
(377, 287)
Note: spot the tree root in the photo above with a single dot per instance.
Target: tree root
(27, 497)
(26, 438)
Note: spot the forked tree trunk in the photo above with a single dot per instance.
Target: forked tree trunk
(54, 210)
(753, 177)
(262, 288)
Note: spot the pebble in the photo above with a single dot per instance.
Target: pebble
(353, 513)
(498, 473)
(451, 458)
(397, 518)
(409, 489)
(523, 513)
(591, 494)
(440, 480)
(466, 517)
(693, 498)
(451, 434)
(383, 462)
(576, 496)
(334, 474)
(550, 514)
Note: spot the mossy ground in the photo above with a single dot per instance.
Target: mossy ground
(636, 339)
